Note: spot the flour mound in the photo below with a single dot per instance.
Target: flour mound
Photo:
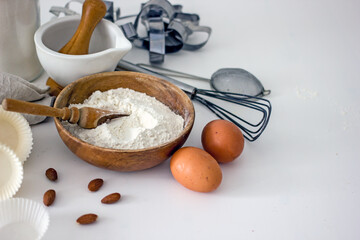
(150, 123)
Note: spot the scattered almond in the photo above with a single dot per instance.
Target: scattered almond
(49, 197)
(111, 198)
(51, 174)
(87, 218)
(95, 184)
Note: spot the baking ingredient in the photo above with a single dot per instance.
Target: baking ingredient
(150, 123)
(223, 140)
(111, 198)
(87, 218)
(95, 184)
(196, 169)
(51, 174)
(49, 197)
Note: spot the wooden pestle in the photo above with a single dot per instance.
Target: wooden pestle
(92, 13)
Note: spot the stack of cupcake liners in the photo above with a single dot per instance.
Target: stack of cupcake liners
(19, 218)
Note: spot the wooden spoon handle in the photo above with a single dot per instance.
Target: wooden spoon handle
(35, 109)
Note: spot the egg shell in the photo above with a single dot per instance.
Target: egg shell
(196, 169)
(223, 140)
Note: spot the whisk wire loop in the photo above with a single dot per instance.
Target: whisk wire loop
(250, 130)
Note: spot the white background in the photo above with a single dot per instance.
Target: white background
(299, 180)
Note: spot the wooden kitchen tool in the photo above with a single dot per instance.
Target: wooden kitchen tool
(85, 117)
(92, 13)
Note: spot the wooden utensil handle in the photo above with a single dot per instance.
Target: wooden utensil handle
(92, 12)
(35, 109)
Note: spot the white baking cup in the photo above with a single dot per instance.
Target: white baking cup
(11, 173)
(15, 132)
(22, 219)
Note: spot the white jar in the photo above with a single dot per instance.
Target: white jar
(19, 19)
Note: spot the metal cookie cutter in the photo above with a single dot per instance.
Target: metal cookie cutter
(168, 29)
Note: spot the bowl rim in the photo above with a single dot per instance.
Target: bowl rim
(187, 128)
(125, 44)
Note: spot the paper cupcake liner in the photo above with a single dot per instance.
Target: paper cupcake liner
(22, 218)
(16, 133)
(11, 173)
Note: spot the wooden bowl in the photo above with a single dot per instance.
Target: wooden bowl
(125, 160)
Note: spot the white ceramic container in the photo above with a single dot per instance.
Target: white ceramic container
(19, 20)
(107, 46)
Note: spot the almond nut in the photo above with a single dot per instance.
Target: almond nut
(87, 218)
(111, 198)
(51, 174)
(95, 184)
(49, 197)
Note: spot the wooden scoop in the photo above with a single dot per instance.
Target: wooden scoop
(85, 117)
(92, 13)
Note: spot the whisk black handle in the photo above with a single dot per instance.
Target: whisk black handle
(135, 68)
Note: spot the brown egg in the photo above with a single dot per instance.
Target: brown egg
(195, 169)
(223, 140)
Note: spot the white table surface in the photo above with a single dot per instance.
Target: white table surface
(299, 180)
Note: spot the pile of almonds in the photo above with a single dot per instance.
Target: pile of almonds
(93, 186)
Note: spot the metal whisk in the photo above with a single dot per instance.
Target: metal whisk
(251, 129)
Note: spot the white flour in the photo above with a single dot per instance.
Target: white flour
(150, 123)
